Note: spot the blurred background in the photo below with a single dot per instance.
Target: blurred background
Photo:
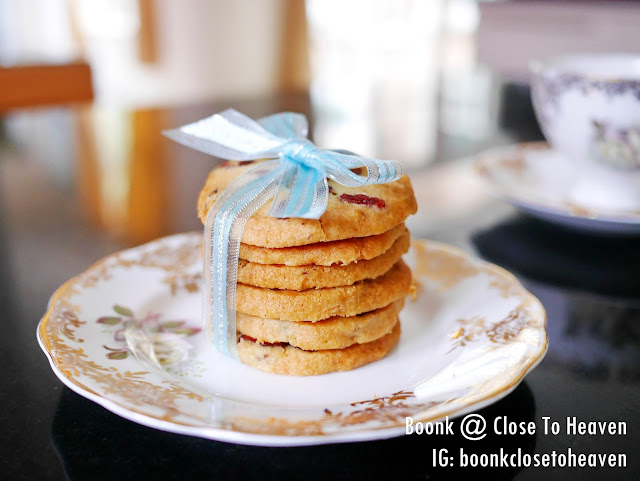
(87, 85)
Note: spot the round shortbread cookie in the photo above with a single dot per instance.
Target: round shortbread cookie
(317, 304)
(299, 278)
(351, 211)
(334, 333)
(338, 252)
(293, 361)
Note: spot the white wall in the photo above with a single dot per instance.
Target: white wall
(206, 49)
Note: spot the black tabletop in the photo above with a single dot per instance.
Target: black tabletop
(587, 284)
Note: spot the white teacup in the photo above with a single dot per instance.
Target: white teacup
(588, 107)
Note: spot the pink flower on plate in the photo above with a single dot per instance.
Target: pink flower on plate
(167, 337)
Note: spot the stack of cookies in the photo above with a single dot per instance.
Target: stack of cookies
(318, 296)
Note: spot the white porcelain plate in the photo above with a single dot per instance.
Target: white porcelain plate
(468, 339)
(536, 179)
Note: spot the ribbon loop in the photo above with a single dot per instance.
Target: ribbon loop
(296, 179)
(288, 125)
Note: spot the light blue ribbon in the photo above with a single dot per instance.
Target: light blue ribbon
(296, 178)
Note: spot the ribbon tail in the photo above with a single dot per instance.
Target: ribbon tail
(222, 236)
(229, 135)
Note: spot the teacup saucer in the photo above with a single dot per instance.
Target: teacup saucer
(534, 177)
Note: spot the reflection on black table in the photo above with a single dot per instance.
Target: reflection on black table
(602, 265)
(96, 444)
(597, 334)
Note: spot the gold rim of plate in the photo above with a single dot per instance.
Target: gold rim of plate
(376, 418)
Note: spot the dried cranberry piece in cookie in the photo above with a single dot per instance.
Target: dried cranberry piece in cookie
(235, 163)
(362, 199)
(267, 344)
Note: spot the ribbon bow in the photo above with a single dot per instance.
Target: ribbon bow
(296, 178)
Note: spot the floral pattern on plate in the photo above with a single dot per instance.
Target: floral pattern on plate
(469, 337)
(167, 337)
